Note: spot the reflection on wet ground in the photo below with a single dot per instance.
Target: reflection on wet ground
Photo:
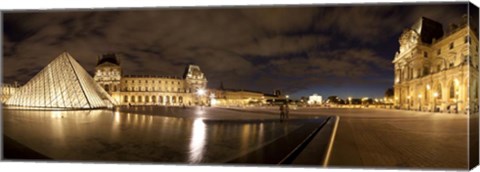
(103, 135)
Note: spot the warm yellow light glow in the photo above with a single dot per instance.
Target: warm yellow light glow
(428, 86)
(408, 97)
(435, 94)
(456, 82)
(287, 96)
(419, 96)
(197, 142)
(201, 91)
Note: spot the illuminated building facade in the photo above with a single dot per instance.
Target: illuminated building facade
(315, 99)
(7, 91)
(433, 69)
(151, 90)
(62, 84)
(238, 98)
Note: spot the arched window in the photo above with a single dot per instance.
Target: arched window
(106, 88)
(132, 99)
(154, 99)
(140, 99)
(114, 88)
(180, 99)
(147, 99)
(439, 91)
(452, 90)
(160, 99)
(167, 99)
(125, 99)
(174, 99)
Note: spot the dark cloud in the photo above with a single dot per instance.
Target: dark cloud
(257, 48)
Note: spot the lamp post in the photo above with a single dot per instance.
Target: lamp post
(457, 83)
(419, 102)
(350, 101)
(200, 93)
(435, 95)
(408, 102)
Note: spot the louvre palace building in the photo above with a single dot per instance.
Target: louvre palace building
(437, 71)
(148, 89)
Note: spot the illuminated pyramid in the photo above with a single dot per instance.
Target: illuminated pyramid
(62, 84)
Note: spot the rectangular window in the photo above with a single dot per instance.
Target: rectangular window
(451, 45)
(439, 51)
(425, 54)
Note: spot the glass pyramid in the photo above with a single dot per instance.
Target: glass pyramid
(62, 84)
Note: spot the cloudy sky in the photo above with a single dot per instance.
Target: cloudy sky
(330, 50)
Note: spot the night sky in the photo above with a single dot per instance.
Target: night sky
(329, 50)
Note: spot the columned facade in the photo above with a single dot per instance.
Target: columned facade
(149, 89)
(432, 70)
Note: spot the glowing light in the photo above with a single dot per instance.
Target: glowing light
(419, 96)
(428, 86)
(408, 97)
(456, 81)
(435, 94)
(201, 92)
(197, 142)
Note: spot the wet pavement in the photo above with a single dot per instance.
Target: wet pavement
(364, 138)
(160, 135)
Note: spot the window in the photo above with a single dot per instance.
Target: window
(147, 99)
(146, 81)
(132, 99)
(133, 88)
(133, 81)
(140, 99)
(125, 99)
(425, 54)
(439, 51)
(452, 90)
(146, 88)
(451, 45)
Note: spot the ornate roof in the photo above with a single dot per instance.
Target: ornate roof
(110, 58)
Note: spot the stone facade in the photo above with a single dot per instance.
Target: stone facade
(434, 71)
(151, 90)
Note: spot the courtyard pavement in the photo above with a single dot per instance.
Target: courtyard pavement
(378, 138)
(386, 138)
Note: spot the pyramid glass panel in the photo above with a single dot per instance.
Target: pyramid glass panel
(62, 84)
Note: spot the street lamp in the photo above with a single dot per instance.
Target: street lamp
(408, 102)
(435, 95)
(419, 102)
(201, 92)
(350, 101)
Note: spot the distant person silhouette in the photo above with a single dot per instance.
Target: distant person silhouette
(282, 112)
(287, 110)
